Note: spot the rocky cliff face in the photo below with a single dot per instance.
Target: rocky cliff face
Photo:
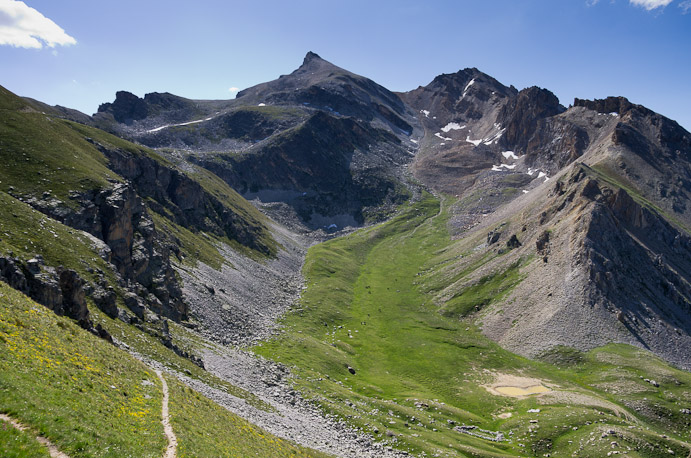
(185, 200)
(128, 108)
(118, 218)
(324, 168)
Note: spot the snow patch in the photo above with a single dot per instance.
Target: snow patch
(497, 168)
(447, 139)
(525, 191)
(509, 155)
(467, 86)
(261, 105)
(425, 112)
(157, 129)
(452, 126)
(474, 142)
(494, 138)
(181, 124)
(414, 141)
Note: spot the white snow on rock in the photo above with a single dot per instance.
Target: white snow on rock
(474, 142)
(447, 139)
(467, 86)
(157, 129)
(497, 168)
(452, 126)
(542, 174)
(261, 105)
(509, 155)
(425, 112)
(525, 191)
(494, 138)
(414, 141)
(181, 124)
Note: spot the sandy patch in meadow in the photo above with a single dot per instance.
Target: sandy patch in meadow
(515, 386)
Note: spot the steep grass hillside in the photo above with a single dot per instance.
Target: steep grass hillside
(91, 399)
(370, 344)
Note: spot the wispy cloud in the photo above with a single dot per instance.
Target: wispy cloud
(234, 89)
(685, 6)
(23, 27)
(650, 4)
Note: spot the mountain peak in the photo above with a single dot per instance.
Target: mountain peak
(310, 56)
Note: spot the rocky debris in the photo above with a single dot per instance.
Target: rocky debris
(542, 245)
(294, 418)
(652, 382)
(513, 242)
(493, 237)
(105, 300)
(472, 430)
(249, 295)
(167, 340)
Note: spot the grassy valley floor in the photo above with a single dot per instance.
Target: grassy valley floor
(370, 346)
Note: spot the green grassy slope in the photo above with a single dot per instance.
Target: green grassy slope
(91, 399)
(42, 154)
(418, 372)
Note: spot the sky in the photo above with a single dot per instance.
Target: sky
(78, 53)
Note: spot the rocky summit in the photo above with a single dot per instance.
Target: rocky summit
(324, 267)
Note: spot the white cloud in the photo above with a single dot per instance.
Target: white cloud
(23, 27)
(234, 89)
(650, 4)
(685, 6)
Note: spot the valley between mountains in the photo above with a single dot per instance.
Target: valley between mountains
(323, 267)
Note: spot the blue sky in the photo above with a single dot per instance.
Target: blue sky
(640, 49)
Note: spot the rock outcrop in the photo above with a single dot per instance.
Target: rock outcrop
(118, 217)
(59, 289)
